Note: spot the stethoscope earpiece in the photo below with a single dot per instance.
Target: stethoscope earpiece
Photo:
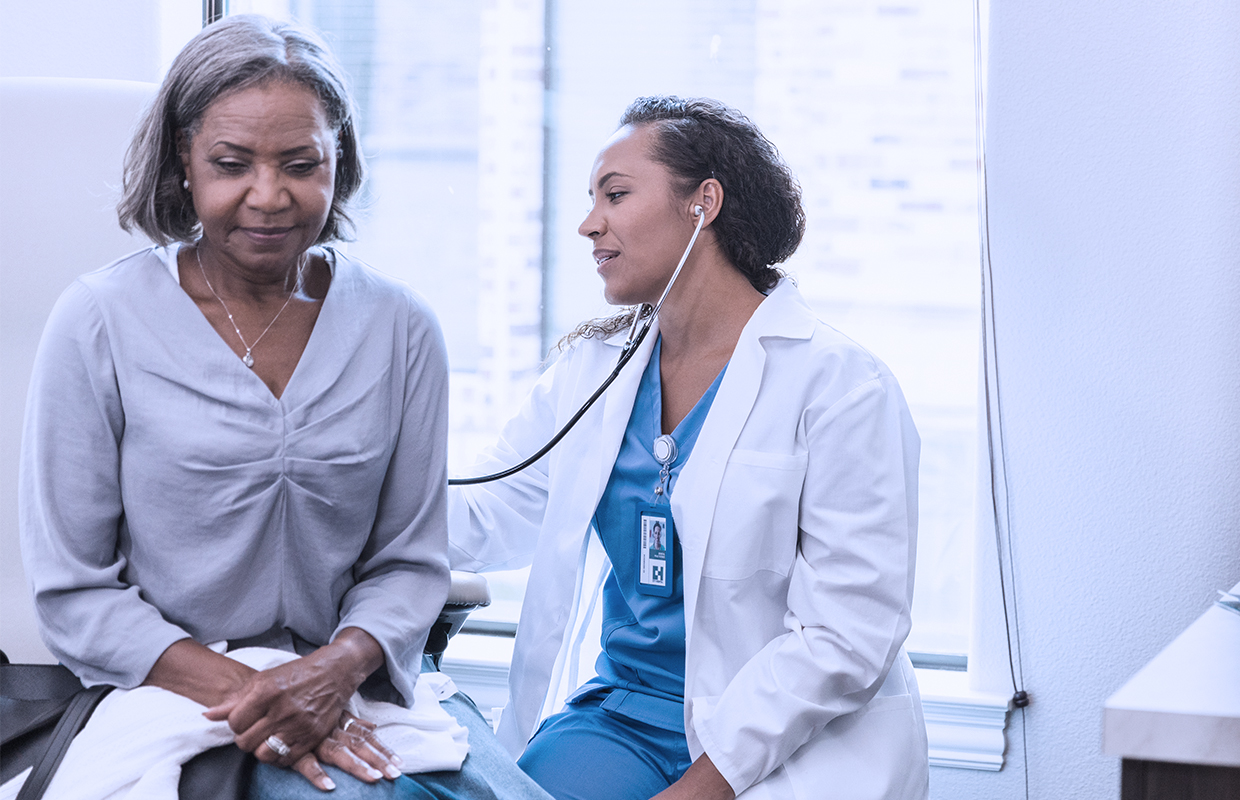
(697, 211)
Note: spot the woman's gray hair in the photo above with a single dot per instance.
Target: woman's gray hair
(236, 53)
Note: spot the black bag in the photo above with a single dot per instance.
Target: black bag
(221, 773)
(43, 706)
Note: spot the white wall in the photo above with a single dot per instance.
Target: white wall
(81, 39)
(1114, 162)
(60, 221)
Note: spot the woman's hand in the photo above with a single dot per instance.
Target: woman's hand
(296, 703)
(301, 702)
(353, 747)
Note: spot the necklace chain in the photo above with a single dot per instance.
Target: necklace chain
(248, 359)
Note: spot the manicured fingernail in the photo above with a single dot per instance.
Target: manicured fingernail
(328, 784)
(374, 773)
(392, 772)
(397, 760)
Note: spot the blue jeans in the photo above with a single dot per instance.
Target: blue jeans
(487, 774)
(588, 753)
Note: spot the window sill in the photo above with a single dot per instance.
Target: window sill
(965, 728)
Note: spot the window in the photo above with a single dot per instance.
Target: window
(481, 122)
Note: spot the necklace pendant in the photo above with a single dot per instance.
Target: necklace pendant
(248, 359)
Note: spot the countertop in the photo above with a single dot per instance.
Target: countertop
(1184, 705)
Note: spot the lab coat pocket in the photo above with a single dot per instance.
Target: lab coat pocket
(755, 525)
(874, 754)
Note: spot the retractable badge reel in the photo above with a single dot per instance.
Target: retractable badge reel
(656, 530)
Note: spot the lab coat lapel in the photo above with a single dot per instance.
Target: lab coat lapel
(782, 314)
(581, 468)
(618, 403)
(585, 462)
(697, 488)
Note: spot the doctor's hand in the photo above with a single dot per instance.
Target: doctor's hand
(700, 782)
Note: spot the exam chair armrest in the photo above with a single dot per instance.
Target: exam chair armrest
(467, 592)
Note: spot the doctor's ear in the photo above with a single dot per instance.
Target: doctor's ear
(706, 201)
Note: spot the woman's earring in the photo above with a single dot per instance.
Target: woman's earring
(185, 184)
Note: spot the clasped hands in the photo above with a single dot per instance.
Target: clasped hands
(302, 705)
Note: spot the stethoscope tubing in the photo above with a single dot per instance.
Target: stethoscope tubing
(626, 355)
(630, 348)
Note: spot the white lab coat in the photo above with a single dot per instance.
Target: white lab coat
(797, 518)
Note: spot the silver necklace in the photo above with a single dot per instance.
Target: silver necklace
(248, 359)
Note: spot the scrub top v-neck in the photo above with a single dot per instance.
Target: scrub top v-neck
(641, 668)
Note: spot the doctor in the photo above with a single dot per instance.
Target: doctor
(756, 650)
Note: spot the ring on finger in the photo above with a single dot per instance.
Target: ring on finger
(277, 744)
(345, 728)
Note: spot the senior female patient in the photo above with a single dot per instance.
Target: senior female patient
(239, 435)
(757, 649)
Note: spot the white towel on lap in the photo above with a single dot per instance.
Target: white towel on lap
(136, 741)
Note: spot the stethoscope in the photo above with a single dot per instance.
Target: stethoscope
(631, 343)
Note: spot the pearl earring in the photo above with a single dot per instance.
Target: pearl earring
(185, 184)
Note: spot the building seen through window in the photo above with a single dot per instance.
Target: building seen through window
(481, 120)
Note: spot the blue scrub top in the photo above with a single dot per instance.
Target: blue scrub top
(641, 671)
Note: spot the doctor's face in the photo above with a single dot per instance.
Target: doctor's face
(638, 224)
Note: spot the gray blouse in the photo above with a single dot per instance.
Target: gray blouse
(165, 492)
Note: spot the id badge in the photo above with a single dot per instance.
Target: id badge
(655, 540)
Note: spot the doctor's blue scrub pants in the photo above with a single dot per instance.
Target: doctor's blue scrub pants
(589, 753)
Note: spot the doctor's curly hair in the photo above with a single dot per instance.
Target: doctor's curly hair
(761, 221)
